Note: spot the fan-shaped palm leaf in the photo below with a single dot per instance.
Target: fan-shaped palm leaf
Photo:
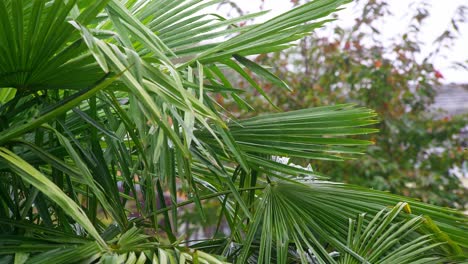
(107, 116)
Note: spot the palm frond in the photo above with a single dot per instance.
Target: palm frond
(40, 50)
(42, 183)
(109, 128)
(387, 239)
(304, 217)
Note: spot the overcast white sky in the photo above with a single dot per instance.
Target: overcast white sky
(441, 12)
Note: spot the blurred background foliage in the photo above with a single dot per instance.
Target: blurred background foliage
(420, 151)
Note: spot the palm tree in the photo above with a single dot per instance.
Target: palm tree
(108, 113)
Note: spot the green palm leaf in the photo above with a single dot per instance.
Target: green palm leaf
(42, 183)
(386, 240)
(303, 216)
(40, 50)
(109, 130)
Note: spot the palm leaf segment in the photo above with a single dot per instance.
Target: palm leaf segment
(100, 94)
(306, 217)
(380, 240)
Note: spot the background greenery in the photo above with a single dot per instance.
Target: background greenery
(417, 147)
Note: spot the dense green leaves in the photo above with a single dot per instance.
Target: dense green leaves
(304, 216)
(43, 184)
(419, 150)
(113, 148)
(40, 50)
(380, 240)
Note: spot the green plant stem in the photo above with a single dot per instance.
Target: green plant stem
(204, 197)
